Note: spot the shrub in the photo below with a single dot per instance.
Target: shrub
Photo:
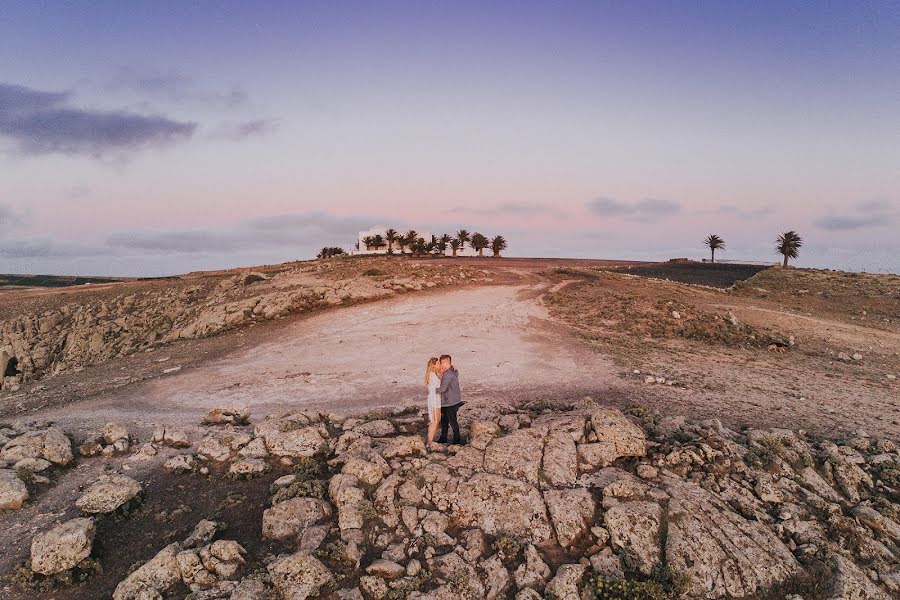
(508, 548)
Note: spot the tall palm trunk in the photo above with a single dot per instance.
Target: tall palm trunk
(713, 259)
(785, 261)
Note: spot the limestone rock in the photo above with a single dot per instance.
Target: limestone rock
(386, 569)
(248, 467)
(610, 425)
(496, 578)
(302, 442)
(13, 492)
(560, 462)
(572, 513)
(634, 531)
(108, 493)
(113, 432)
(723, 553)
(402, 446)
(152, 578)
(368, 472)
(496, 504)
(300, 576)
(597, 455)
(176, 438)
(235, 415)
(534, 572)
(289, 518)
(851, 583)
(378, 428)
(482, 432)
(50, 444)
(517, 455)
(63, 546)
(567, 582)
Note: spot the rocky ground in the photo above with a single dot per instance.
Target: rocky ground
(553, 501)
(120, 477)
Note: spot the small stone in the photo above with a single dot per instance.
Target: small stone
(647, 471)
(113, 432)
(386, 569)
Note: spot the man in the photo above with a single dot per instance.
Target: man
(451, 399)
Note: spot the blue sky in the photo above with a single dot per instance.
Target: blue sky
(153, 138)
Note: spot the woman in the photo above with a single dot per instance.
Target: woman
(433, 381)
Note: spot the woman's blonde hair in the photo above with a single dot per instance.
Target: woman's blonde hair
(429, 368)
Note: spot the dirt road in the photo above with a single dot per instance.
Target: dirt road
(369, 356)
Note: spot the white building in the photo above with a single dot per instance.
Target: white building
(382, 231)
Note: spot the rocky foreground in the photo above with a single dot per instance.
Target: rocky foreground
(574, 502)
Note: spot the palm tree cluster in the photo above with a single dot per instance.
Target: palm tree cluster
(329, 251)
(787, 245)
(417, 245)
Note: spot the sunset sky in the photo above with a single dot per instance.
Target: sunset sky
(163, 137)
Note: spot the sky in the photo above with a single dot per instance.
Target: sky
(153, 138)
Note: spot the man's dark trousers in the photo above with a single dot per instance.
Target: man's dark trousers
(448, 419)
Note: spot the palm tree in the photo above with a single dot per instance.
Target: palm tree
(498, 245)
(409, 239)
(788, 245)
(378, 241)
(463, 236)
(479, 243)
(368, 241)
(391, 236)
(455, 244)
(442, 244)
(419, 246)
(714, 243)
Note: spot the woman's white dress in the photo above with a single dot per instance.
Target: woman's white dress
(434, 401)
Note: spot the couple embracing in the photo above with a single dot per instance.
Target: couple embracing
(444, 398)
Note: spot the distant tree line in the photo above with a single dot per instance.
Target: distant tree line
(787, 245)
(329, 251)
(417, 245)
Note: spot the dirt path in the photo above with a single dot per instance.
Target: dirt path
(370, 356)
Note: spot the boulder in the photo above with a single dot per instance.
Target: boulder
(611, 426)
(108, 493)
(378, 428)
(235, 415)
(152, 578)
(634, 532)
(113, 432)
(596, 455)
(63, 546)
(176, 438)
(482, 432)
(495, 576)
(386, 569)
(567, 582)
(560, 462)
(368, 472)
(497, 504)
(851, 583)
(13, 492)
(572, 513)
(724, 554)
(248, 467)
(407, 445)
(534, 572)
(289, 518)
(302, 442)
(299, 576)
(50, 444)
(517, 455)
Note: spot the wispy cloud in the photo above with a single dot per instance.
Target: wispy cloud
(245, 129)
(42, 122)
(744, 213)
(173, 86)
(877, 213)
(511, 209)
(646, 210)
(307, 230)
